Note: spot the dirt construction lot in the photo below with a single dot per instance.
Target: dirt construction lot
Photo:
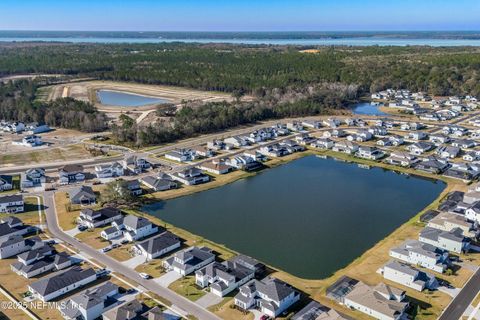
(86, 91)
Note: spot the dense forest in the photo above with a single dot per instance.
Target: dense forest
(283, 81)
(252, 69)
(17, 102)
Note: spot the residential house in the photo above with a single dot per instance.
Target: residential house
(418, 135)
(35, 128)
(71, 173)
(370, 153)
(452, 240)
(304, 139)
(274, 150)
(191, 176)
(29, 141)
(134, 227)
(160, 183)
(400, 158)
(422, 254)
(98, 218)
(439, 139)
(32, 178)
(448, 152)
(471, 156)
(40, 263)
(408, 276)
(295, 126)
(130, 310)
(180, 155)
(255, 155)
(6, 182)
(91, 303)
(216, 145)
(345, 147)
(223, 278)
(14, 244)
(384, 142)
(472, 195)
(237, 141)
(243, 162)
(135, 165)
(432, 165)
(271, 296)
(463, 171)
(110, 170)
(217, 166)
(381, 302)
(189, 260)
(250, 263)
(419, 148)
(111, 233)
(202, 152)
(312, 124)
(446, 221)
(12, 204)
(12, 226)
(396, 140)
(133, 186)
(316, 311)
(464, 143)
(323, 143)
(83, 195)
(158, 246)
(472, 213)
(49, 288)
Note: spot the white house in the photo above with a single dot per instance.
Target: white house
(189, 260)
(422, 254)
(381, 302)
(408, 276)
(12, 204)
(98, 218)
(32, 177)
(449, 240)
(158, 246)
(49, 288)
(29, 141)
(271, 296)
(223, 278)
(114, 169)
(71, 173)
(134, 227)
(6, 182)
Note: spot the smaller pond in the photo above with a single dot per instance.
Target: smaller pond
(367, 108)
(117, 98)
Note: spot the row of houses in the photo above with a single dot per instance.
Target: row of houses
(19, 127)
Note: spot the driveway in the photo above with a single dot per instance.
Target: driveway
(134, 262)
(167, 279)
(208, 300)
(73, 232)
(451, 292)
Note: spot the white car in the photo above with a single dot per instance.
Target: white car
(144, 275)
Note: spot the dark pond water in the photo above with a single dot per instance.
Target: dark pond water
(309, 217)
(367, 108)
(116, 98)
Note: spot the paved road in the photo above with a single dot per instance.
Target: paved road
(188, 306)
(461, 302)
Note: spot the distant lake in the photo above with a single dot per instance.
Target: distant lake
(367, 108)
(116, 98)
(354, 41)
(309, 217)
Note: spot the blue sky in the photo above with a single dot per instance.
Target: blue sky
(239, 15)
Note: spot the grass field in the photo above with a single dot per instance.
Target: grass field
(74, 151)
(187, 288)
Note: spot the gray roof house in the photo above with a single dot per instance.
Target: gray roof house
(159, 245)
(158, 183)
(6, 182)
(127, 311)
(381, 302)
(59, 284)
(12, 204)
(270, 295)
(422, 254)
(97, 218)
(189, 260)
(91, 303)
(83, 195)
(134, 227)
(223, 277)
(316, 311)
(12, 226)
(408, 276)
(42, 264)
(449, 240)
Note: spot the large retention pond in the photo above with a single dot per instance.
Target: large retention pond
(309, 217)
(117, 98)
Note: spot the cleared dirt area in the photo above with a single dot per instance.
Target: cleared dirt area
(86, 91)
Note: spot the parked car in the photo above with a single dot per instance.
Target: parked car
(144, 275)
(82, 228)
(106, 249)
(115, 245)
(124, 241)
